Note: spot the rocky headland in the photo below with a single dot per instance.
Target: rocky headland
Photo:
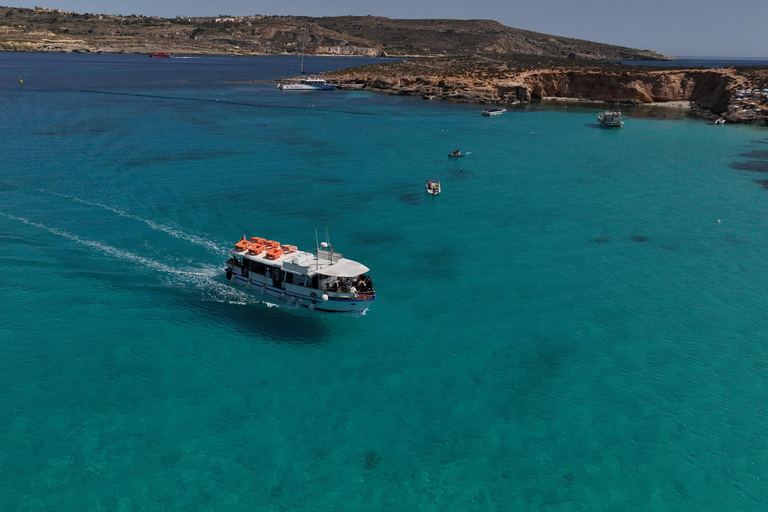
(739, 95)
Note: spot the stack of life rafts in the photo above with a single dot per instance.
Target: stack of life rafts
(256, 246)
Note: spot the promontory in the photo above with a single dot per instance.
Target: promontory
(479, 61)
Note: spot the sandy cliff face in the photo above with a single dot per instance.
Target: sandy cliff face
(702, 87)
(710, 91)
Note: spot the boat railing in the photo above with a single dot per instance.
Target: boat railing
(333, 257)
(341, 295)
(352, 295)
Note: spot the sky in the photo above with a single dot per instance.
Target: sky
(680, 28)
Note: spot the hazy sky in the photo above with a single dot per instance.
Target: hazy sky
(722, 28)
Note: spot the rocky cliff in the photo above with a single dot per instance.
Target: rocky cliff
(710, 92)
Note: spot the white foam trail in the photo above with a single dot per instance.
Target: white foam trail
(104, 248)
(203, 279)
(210, 246)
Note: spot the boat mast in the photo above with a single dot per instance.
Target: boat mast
(303, 43)
(328, 242)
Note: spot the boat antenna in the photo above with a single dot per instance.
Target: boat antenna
(317, 251)
(303, 43)
(328, 241)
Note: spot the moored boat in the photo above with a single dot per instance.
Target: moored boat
(610, 118)
(433, 187)
(307, 82)
(494, 111)
(323, 280)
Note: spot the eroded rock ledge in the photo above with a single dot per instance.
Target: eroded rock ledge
(711, 92)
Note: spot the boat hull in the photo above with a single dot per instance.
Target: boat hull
(306, 87)
(299, 296)
(610, 119)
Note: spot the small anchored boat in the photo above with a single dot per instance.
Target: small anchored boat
(610, 119)
(307, 82)
(433, 187)
(323, 280)
(494, 111)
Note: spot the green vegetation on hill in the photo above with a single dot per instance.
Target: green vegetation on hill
(52, 30)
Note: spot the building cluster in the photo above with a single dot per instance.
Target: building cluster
(57, 11)
(749, 103)
(223, 19)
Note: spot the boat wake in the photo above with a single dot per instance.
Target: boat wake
(176, 233)
(103, 248)
(203, 278)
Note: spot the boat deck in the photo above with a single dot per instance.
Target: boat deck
(307, 263)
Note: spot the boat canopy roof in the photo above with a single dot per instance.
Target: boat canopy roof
(345, 268)
(307, 263)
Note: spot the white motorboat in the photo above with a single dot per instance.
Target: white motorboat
(310, 83)
(433, 187)
(323, 280)
(494, 111)
(610, 119)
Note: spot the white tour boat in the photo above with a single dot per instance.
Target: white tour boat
(610, 118)
(323, 280)
(433, 187)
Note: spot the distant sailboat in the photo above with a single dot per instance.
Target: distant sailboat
(306, 82)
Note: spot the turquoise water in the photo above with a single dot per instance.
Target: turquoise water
(576, 323)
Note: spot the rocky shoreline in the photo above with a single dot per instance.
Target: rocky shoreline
(703, 92)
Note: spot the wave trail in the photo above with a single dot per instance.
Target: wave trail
(176, 233)
(203, 279)
(102, 247)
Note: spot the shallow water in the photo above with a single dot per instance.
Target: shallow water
(574, 323)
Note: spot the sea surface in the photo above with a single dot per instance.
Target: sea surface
(578, 322)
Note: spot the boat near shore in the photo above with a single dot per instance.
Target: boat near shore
(323, 280)
(306, 82)
(610, 119)
(494, 111)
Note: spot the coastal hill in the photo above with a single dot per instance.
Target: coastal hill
(52, 30)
